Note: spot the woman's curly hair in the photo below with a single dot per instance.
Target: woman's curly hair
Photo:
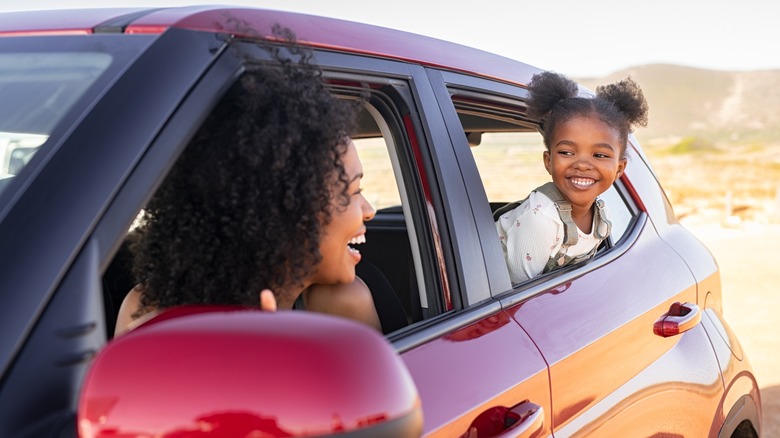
(554, 100)
(243, 207)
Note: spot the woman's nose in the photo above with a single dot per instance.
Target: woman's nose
(368, 210)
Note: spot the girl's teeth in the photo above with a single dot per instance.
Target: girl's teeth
(582, 181)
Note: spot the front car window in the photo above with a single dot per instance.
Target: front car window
(36, 91)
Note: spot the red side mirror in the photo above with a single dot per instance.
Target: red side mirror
(232, 372)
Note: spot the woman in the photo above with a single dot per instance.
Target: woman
(265, 197)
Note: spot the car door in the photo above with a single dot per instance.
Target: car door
(472, 364)
(610, 373)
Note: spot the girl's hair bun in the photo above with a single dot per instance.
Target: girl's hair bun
(627, 96)
(547, 89)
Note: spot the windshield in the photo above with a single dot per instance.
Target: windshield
(36, 91)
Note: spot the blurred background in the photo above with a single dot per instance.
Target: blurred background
(711, 75)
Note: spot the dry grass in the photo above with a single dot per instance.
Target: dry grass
(741, 181)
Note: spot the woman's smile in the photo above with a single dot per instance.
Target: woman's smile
(346, 228)
(357, 240)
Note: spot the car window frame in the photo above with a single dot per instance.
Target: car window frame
(389, 74)
(387, 101)
(513, 95)
(444, 199)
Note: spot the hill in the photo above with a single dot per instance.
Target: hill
(715, 106)
(713, 138)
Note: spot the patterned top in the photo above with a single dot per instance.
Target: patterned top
(532, 233)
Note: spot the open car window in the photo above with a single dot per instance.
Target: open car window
(508, 151)
(393, 258)
(398, 243)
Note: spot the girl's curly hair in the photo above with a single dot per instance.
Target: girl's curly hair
(554, 100)
(243, 207)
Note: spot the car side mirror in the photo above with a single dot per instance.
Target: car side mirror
(237, 372)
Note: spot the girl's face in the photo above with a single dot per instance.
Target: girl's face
(346, 226)
(584, 159)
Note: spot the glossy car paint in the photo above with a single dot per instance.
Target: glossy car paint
(579, 346)
(492, 346)
(62, 22)
(257, 391)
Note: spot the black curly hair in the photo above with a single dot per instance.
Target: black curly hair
(243, 208)
(554, 100)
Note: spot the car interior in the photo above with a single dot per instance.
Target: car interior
(387, 265)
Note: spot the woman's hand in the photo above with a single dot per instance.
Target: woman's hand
(267, 300)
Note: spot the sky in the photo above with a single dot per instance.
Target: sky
(580, 38)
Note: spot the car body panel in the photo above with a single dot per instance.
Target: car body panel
(577, 327)
(742, 392)
(327, 33)
(650, 404)
(65, 21)
(493, 346)
(653, 277)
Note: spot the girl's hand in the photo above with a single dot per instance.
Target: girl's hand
(267, 300)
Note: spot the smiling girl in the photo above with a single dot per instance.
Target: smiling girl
(564, 222)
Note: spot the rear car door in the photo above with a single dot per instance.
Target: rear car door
(610, 374)
(472, 364)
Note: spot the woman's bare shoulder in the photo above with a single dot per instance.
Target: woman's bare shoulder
(128, 317)
(352, 300)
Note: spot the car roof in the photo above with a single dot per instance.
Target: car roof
(316, 31)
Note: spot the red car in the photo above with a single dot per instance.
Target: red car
(95, 105)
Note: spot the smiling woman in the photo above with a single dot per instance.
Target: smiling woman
(266, 196)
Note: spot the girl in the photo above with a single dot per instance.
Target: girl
(585, 138)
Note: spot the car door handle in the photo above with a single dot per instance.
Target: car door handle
(680, 318)
(524, 420)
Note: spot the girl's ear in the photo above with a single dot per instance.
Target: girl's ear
(621, 168)
(547, 164)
